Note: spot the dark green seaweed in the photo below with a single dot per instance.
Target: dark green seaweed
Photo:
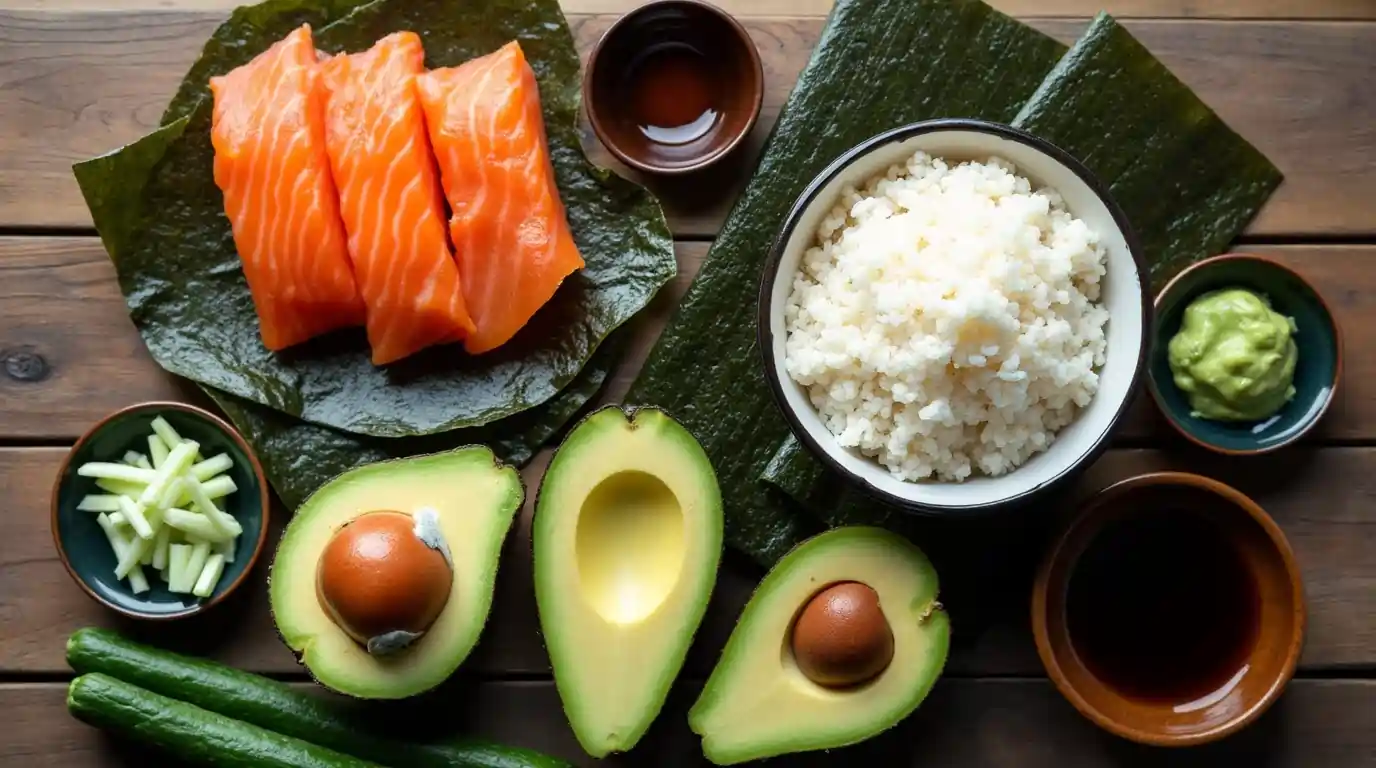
(161, 218)
(1187, 182)
(821, 493)
(298, 457)
(879, 64)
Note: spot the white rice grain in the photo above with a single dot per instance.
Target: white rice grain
(946, 322)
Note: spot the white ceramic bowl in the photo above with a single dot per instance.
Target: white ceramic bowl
(1126, 294)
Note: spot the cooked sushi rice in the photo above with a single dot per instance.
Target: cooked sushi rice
(947, 321)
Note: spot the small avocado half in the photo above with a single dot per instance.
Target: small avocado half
(466, 501)
(758, 703)
(627, 538)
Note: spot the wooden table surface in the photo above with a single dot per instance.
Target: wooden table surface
(79, 77)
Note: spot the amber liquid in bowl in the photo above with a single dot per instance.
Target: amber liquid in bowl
(1163, 608)
(674, 94)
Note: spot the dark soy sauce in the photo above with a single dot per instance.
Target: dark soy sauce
(1162, 607)
(675, 94)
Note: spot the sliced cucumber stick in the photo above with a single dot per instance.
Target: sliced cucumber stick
(205, 470)
(165, 432)
(157, 450)
(178, 558)
(109, 470)
(178, 461)
(98, 502)
(209, 576)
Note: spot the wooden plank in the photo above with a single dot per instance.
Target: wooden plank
(69, 355)
(964, 723)
(1213, 9)
(77, 84)
(1319, 497)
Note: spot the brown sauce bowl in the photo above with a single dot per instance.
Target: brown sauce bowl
(1268, 664)
(732, 72)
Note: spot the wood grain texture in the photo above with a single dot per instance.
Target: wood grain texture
(1319, 497)
(1198, 9)
(69, 354)
(963, 724)
(76, 84)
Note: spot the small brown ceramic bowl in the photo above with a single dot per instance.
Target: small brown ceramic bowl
(82, 544)
(1232, 683)
(674, 86)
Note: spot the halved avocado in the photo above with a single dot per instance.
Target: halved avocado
(627, 538)
(758, 703)
(465, 501)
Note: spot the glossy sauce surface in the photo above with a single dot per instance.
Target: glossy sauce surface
(1163, 607)
(674, 94)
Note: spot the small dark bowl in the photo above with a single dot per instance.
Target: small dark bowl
(82, 545)
(1317, 371)
(1281, 616)
(707, 34)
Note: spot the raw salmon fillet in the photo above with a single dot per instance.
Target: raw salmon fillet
(268, 130)
(511, 236)
(390, 198)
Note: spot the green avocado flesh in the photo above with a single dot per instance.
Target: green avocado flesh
(475, 498)
(627, 538)
(1234, 356)
(758, 704)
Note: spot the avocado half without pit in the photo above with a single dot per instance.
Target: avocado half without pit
(842, 640)
(383, 580)
(627, 539)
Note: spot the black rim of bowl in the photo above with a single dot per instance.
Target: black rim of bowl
(256, 469)
(1316, 416)
(765, 335)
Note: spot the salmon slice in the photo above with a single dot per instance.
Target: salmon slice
(511, 236)
(390, 198)
(268, 131)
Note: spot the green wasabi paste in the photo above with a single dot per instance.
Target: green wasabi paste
(1234, 356)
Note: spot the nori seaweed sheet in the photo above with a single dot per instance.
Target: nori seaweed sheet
(879, 64)
(298, 457)
(162, 220)
(1188, 183)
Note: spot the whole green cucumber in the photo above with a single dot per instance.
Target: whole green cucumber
(191, 733)
(276, 706)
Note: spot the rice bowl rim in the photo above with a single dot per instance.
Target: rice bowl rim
(769, 309)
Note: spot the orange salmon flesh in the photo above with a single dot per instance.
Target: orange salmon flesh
(268, 130)
(510, 233)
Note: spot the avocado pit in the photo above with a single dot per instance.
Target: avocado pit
(384, 578)
(841, 637)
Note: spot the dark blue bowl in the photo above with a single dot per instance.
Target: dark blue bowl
(1317, 370)
(82, 545)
